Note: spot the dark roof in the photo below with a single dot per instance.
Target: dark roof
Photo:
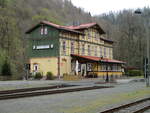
(82, 26)
(85, 26)
(107, 40)
(73, 29)
(99, 59)
(53, 25)
(68, 28)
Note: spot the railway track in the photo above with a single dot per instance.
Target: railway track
(35, 89)
(139, 106)
(37, 92)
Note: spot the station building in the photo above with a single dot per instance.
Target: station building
(79, 49)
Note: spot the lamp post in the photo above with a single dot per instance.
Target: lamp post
(146, 61)
(107, 77)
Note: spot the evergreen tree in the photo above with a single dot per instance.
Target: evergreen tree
(6, 71)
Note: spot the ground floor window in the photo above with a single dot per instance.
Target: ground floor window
(110, 67)
(79, 67)
(104, 67)
(35, 67)
(89, 67)
(72, 65)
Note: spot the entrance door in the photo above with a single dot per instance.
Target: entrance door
(83, 70)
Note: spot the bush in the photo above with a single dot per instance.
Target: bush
(6, 71)
(38, 75)
(134, 73)
(49, 76)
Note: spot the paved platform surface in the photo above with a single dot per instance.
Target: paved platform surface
(8, 85)
(92, 101)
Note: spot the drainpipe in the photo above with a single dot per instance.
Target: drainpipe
(107, 77)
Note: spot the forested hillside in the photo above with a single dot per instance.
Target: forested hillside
(16, 16)
(128, 30)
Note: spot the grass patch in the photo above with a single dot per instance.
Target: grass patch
(95, 105)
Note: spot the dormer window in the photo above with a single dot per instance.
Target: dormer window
(44, 31)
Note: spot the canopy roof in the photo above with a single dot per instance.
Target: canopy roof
(97, 59)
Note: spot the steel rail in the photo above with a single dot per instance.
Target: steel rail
(115, 109)
(34, 89)
(142, 109)
(50, 92)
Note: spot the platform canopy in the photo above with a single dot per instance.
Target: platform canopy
(82, 58)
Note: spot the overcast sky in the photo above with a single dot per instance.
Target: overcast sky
(105, 6)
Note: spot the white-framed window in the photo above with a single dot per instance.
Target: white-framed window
(89, 51)
(89, 67)
(35, 67)
(79, 67)
(95, 50)
(42, 30)
(83, 36)
(83, 49)
(73, 65)
(45, 31)
(105, 52)
(64, 47)
(101, 51)
(42, 47)
(110, 53)
(104, 67)
(72, 47)
(95, 35)
(115, 67)
(89, 34)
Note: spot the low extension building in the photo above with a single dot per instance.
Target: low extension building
(80, 49)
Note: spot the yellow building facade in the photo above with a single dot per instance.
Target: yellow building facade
(81, 49)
